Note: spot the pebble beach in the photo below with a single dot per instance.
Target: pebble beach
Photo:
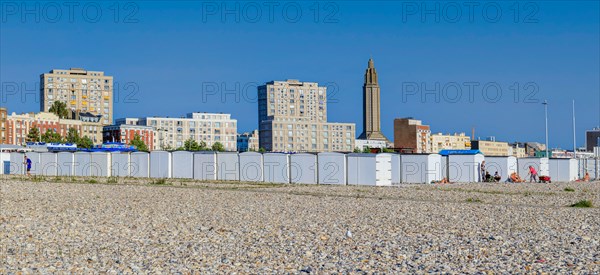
(125, 225)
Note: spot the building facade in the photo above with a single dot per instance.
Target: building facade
(171, 133)
(411, 135)
(456, 141)
(81, 90)
(592, 139)
(361, 144)
(125, 133)
(292, 117)
(517, 151)
(371, 106)
(18, 126)
(3, 126)
(492, 148)
(248, 141)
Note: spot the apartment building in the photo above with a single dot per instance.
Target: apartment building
(125, 133)
(592, 139)
(492, 148)
(248, 141)
(410, 134)
(171, 133)
(81, 90)
(19, 125)
(3, 128)
(457, 141)
(292, 117)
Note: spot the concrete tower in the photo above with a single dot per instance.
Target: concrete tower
(371, 101)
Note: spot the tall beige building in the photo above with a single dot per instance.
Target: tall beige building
(292, 117)
(171, 133)
(456, 141)
(83, 91)
(371, 106)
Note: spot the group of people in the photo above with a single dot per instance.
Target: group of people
(514, 177)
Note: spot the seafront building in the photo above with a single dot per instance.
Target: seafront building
(292, 117)
(3, 129)
(83, 92)
(592, 139)
(411, 135)
(19, 125)
(248, 141)
(171, 133)
(125, 133)
(492, 148)
(457, 141)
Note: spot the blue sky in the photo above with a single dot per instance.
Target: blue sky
(172, 58)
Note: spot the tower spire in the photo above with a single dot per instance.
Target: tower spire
(371, 103)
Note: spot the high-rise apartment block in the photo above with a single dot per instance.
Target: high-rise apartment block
(82, 91)
(411, 135)
(292, 117)
(171, 133)
(456, 141)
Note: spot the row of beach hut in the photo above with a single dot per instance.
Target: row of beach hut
(323, 168)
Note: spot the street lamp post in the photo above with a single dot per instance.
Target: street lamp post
(545, 103)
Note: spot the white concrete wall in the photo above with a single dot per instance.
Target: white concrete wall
(505, 166)
(332, 168)
(48, 164)
(120, 164)
(563, 170)
(205, 166)
(183, 164)
(160, 164)
(303, 168)
(83, 164)
(228, 166)
(540, 165)
(66, 164)
(421, 168)
(466, 168)
(251, 166)
(276, 167)
(140, 165)
(100, 164)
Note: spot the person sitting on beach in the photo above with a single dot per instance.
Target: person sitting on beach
(488, 177)
(586, 177)
(497, 177)
(514, 177)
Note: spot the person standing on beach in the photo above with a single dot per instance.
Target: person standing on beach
(482, 172)
(27, 163)
(532, 174)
